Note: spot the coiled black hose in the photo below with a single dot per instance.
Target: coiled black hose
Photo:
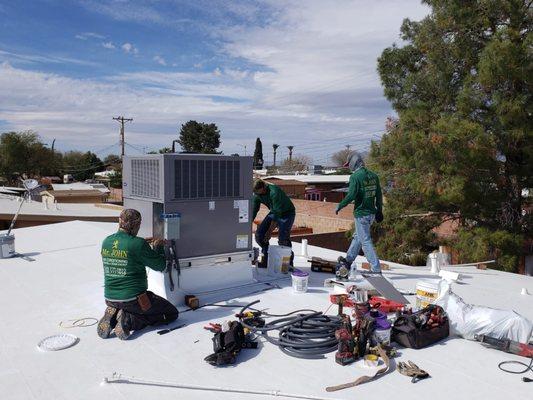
(304, 335)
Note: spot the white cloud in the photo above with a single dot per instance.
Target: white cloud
(109, 45)
(89, 35)
(20, 58)
(129, 48)
(160, 60)
(308, 76)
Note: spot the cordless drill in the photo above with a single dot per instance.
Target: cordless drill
(346, 351)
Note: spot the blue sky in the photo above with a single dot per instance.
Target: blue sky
(297, 73)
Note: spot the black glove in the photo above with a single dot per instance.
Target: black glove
(379, 217)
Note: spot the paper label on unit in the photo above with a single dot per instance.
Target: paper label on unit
(211, 205)
(242, 205)
(242, 241)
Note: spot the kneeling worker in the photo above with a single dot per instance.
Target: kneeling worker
(130, 306)
(364, 192)
(282, 214)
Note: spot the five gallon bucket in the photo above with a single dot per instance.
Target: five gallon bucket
(7, 246)
(300, 280)
(279, 259)
(427, 291)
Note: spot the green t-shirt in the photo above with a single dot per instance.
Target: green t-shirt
(125, 259)
(365, 192)
(276, 201)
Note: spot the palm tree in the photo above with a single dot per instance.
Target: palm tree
(275, 147)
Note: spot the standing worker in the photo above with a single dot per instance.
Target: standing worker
(130, 306)
(282, 214)
(365, 192)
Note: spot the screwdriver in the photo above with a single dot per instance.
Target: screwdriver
(163, 331)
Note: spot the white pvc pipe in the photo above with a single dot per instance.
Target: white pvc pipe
(304, 248)
(119, 378)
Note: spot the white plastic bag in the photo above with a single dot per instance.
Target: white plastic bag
(467, 320)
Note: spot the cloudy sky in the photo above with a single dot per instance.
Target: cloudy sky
(299, 73)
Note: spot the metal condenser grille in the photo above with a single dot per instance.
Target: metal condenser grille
(145, 178)
(206, 179)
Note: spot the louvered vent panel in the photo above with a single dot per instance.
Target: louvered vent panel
(145, 178)
(206, 179)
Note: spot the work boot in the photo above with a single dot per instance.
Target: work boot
(263, 263)
(122, 328)
(107, 322)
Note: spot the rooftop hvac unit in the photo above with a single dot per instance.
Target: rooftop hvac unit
(202, 202)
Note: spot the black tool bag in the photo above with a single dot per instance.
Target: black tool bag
(227, 345)
(408, 330)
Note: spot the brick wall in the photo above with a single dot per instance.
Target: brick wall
(318, 215)
(330, 240)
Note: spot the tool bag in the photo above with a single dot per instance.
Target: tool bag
(422, 328)
(228, 344)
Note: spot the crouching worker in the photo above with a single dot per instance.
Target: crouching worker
(282, 214)
(130, 306)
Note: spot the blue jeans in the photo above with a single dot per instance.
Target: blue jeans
(361, 238)
(284, 231)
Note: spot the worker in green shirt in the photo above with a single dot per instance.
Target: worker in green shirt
(282, 214)
(130, 306)
(364, 192)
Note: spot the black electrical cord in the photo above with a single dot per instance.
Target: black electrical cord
(527, 367)
(308, 336)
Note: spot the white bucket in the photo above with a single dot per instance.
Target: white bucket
(7, 246)
(427, 291)
(300, 280)
(279, 259)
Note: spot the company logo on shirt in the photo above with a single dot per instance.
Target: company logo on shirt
(115, 252)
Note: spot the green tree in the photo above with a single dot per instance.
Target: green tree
(258, 154)
(24, 154)
(115, 180)
(199, 137)
(112, 159)
(462, 147)
(80, 165)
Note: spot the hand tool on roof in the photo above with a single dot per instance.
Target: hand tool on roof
(412, 370)
(364, 379)
(509, 346)
(119, 378)
(346, 351)
(164, 331)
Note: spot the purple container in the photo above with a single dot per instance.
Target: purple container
(383, 328)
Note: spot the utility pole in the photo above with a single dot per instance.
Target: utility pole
(348, 146)
(290, 152)
(122, 120)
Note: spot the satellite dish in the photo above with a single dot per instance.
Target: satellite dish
(30, 184)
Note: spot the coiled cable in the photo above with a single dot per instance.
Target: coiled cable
(303, 335)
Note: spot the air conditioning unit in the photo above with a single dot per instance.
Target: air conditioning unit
(201, 201)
